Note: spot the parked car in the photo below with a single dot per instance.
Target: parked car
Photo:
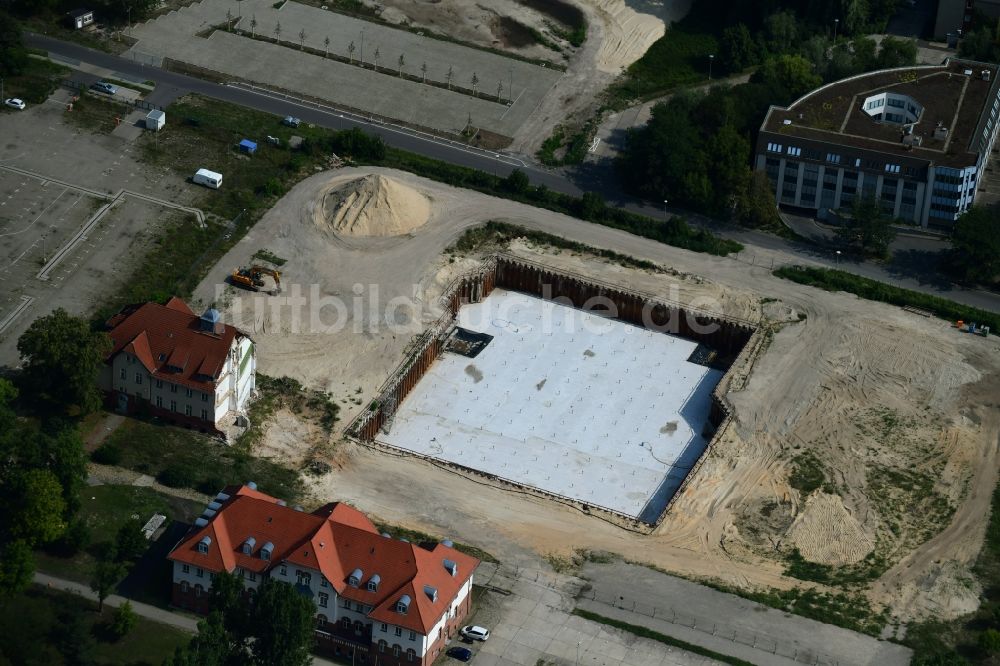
(475, 633)
(15, 103)
(460, 653)
(291, 121)
(105, 87)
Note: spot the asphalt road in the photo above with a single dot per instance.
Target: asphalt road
(909, 270)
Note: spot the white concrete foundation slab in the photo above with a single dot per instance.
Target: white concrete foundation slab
(565, 401)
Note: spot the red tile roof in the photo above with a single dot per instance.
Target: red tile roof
(172, 335)
(336, 540)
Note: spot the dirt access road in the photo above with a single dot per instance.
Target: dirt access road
(892, 408)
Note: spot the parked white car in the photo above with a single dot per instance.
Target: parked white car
(475, 633)
(15, 103)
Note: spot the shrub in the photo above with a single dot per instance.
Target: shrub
(107, 454)
(176, 476)
(124, 620)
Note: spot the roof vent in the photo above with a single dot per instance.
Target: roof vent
(373, 583)
(282, 503)
(200, 522)
(967, 72)
(266, 550)
(431, 592)
(208, 513)
(355, 578)
(403, 604)
(451, 567)
(448, 543)
(251, 485)
(248, 545)
(386, 535)
(941, 133)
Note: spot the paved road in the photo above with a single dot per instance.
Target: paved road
(909, 270)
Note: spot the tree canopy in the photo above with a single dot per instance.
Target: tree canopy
(975, 254)
(869, 227)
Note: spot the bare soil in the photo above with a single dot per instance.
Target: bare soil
(898, 411)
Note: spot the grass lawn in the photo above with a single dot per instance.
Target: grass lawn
(35, 83)
(104, 510)
(35, 632)
(183, 458)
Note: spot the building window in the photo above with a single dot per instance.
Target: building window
(385, 628)
(122, 373)
(358, 606)
(410, 654)
(186, 568)
(381, 645)
(159, 401)
(323, 582)
(199, 572)
(321, 620)
(173, 388)
(253, 576)
(345, 603)
(833, 158)
(197, 590)
(184, 586)
(794, 152)
(324, 599)
(204, 415)
(303, 578)
(204, 397)
(187, 410)
(159, 383)
(399, 631)
(283, 570)
(173, 405)
(413, 635)
(774, 147)
(395, 650)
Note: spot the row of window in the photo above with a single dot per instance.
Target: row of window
(159, 384)
(187, 408)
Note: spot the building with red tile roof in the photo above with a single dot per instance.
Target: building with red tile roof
(379, 600)
(184, 368)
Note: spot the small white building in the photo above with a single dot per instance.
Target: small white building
(80, 18)
(186, 369)
(155, 120)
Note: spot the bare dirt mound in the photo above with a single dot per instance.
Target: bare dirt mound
(826, 533)
(373, 206)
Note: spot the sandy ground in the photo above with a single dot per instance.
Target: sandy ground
(884, 399)
(372, 206)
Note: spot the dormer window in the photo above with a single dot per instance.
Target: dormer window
(203, 545)
(354, 579)
(248, 545)
(266, 550)
(373, 583)
(451, 567)
(431, 593)
(403, 605)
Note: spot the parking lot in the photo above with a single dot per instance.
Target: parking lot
(58, 246)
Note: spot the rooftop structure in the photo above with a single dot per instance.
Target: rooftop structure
(915, 138)
(373, 593)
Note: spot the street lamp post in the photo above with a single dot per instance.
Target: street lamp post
(836, 24)
(362, 48)
(838, 257)
(711, 58)
(664, 210)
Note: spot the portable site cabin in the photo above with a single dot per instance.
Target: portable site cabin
(208, 178)
(80, 18)
(155, 120)
(248, 146)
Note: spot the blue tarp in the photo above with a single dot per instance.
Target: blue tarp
(248, 146)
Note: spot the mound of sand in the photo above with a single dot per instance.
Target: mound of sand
(373, 206)
(826, 533)
(628, 34)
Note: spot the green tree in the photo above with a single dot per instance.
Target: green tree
(975, 243)
(516, 182)
(895, 52)
(758, 208)
(130, 542)
(869, 227)
(782, 31)
(124, 620)
(61, 359)
(727, 154)
(865, 54)
(283, 621)
(856, 15)
(592, 206)
(13, 56)
(37, 508)
(791, 76)
(989, 641)
(105, 578)
(737, 49)
(210, 647)
(17, 568)
(73, 640)
(227, 596)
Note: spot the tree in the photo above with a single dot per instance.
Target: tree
(302, 39)
(227, 598)
(401, 61)
(989, 641)
(277, 32)
(758, 208)
(210, 647)
(105, 578)
(73, 639)
(326, 46)
(423, 72)
(869, 227)
(38, 511)
(516, 182)
(475, 84)
(253, 26)
(856, 15)
(727, 153)
(376, 58)
(229, 20)
(737, 50)
(975, 243)
(130, 542)
(124, 620)
(592, 206)
(790, 76)
(350, 53)
(17, 568)
(61, 359)
(283, 622)
(13, 56)
(895, 52)
(782, 31)
(448, 76)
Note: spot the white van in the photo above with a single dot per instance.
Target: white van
(208, 178)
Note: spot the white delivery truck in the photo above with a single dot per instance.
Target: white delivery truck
(208, 178)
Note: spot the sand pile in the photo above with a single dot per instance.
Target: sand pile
(627, 34)
(373, 206)
(826, 533)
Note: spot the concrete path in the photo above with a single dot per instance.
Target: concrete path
(726, 623)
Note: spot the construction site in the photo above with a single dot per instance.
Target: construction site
(902, 446)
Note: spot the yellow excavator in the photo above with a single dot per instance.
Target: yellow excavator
(253, 278)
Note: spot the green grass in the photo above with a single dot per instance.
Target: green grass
(873, 290)
(646, 632)
(270, 257)
(870, 568)
(104, 509)
(807, 473)
(418, 537)
(35, 83)
(187, 459)
(34, 628)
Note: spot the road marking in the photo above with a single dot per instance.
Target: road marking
(15, 313)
